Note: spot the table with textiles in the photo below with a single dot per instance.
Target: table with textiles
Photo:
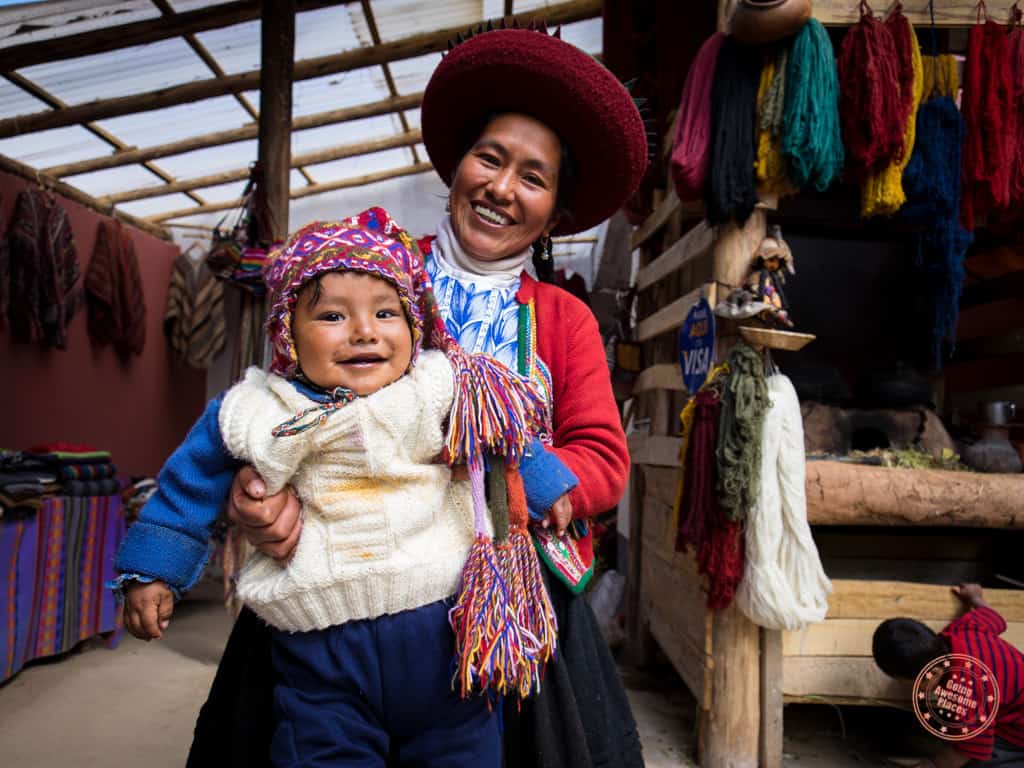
(54, 561)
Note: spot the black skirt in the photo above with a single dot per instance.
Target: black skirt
(580, 719)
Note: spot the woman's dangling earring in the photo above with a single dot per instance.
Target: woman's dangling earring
(547, 248)
(448, 204)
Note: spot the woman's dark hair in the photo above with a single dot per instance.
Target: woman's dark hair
(903, 647)
(543, 263)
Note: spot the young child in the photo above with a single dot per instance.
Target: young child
(353, 415)
(903, 647)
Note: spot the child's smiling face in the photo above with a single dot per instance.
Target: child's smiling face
(355, 334)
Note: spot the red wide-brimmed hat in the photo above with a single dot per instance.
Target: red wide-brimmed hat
(528, 71)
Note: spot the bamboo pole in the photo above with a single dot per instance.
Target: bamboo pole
(139, 33)
(245, 133)
(28, 173)
(309, 158)
(277, 57)
(406, 48)
(315, 189)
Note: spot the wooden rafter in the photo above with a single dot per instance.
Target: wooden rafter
(245, 133)
(139, 33)
(406, 48)
(309, 158)
(28, 173)
(101, 133)
(316, 189)
(214, 66)
(371, 24)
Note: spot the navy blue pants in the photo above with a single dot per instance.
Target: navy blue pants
(377, 692)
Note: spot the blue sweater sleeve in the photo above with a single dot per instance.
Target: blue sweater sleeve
(170, 540)
(545, 478)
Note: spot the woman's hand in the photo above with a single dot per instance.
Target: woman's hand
(560, 514)
(147, 609)
(272, 524)
(970, 594)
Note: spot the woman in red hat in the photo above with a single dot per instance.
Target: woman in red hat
(534, 139)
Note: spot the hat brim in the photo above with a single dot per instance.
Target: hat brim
(529, 72)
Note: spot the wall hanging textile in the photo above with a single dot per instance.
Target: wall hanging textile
(869, 97)
(987, 122)
(691, 148)
(882, 192)
(1016, 59)
(113, 290)
(811, 141)
(5, 275)
(784, 585)
(44, 270)
(730, 190)
(744, 404)
(194, 318)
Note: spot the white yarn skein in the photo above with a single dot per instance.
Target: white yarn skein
(784, 585)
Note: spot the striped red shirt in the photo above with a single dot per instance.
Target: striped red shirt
(976, 634)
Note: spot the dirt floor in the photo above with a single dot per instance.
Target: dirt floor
(136, 705)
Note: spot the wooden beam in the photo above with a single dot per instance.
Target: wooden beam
(671, 316)
(654, 450)
(734, 720)
(308, 158)
(948, 13)
(406, 48)
(852, 637)
(662, 376)
(693, 245)
(852, 677)
(839, 493)
(245, 133)
(23, 171)
(878, 600)
(656, 220)
(277, 60)
(316, 189)
(139, 33)
(770, 748)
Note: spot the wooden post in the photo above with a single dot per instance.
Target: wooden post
(277, 46)
(731, 739)
(771, 699)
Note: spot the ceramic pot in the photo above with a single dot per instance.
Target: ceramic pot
(755, 22)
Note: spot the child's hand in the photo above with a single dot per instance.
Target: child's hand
(148, 609)
(560, 514)
(970, 594)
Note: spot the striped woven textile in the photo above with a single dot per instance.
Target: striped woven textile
(53, 564)
(194, 319)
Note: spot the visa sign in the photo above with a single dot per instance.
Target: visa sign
(697, 345)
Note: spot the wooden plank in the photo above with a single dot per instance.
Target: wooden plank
(948, 13)
(115, 37)
(654, 450)
(852, 637)
(906, 569)
(660, 484)
(899, 543)
(734, 718)
(277, 54)
(397, 50)
(853, 494)
(245, 133)
(771, 699)
(658, 535)
(735, 246)
(662, 376)
(693, 245)
(656, 220)
(671, 316)
(640, 642)
(854, 677)
(854, 599)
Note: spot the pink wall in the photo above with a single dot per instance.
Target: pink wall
(139, 409)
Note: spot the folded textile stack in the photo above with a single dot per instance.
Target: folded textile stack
(24, 481)
(80, 470)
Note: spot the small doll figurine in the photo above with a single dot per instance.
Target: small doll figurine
(761, 294)
(767, 276)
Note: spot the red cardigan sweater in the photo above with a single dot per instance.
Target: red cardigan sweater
(588, 434)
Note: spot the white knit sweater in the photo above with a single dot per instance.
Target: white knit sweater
(384, 530)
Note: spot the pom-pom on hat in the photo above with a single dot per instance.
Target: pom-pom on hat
(369, 242)
(529, 72)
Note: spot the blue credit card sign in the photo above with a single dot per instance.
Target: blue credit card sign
(697, 345)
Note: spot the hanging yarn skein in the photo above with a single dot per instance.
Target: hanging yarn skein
(771, 166)
(1016, 59)
(986, 110)
(811, 146)
(744, 404)
(882, 193)
(730, 189)
(869, 105)
(691, 148)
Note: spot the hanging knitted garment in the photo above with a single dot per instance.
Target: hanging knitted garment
(691, 148)
(730, 192)
(882, 192)
(987, 112)
(194, 320)
(1016, 57)
(744, 404)
(113, 290)
(784, 585)
(869, 102)
(811, 143)
(771, 167)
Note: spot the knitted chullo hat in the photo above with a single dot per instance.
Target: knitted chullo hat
(503, 619)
